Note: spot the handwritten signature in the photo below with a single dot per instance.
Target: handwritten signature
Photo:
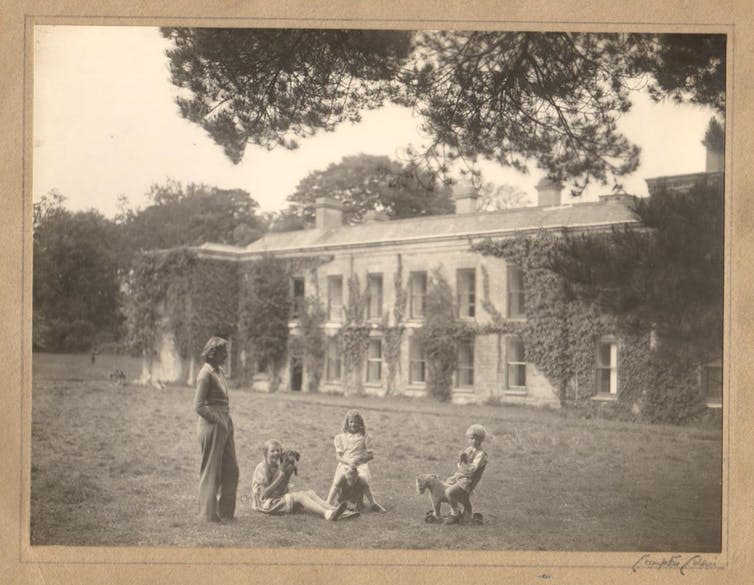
(679, 563)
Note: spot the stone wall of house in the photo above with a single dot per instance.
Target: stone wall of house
(489, 350)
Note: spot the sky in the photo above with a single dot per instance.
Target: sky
(105, 124)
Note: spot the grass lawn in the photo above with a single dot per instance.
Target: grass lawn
(118, 465)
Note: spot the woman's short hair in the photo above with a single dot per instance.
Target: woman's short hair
(212, 345)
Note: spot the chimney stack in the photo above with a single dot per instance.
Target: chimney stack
(465, 196)
(548, 193)
(328, 213)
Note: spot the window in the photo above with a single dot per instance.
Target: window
(516, 362)
(607, 367)
(335, 298)
(332, 365)
(418, 294)
(417, 367)
(515, 285)
(712, 382)
(466, 291)
(374, 360)
(297, 294)
(465, 373)
(374, 296)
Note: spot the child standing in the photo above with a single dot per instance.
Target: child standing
(353, 451)
(471, 464)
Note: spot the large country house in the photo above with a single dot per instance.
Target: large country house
(392, 262)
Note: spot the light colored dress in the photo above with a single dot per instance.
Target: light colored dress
(350, 446)
(470, 472)
(279, 502)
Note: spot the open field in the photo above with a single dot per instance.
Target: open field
(118, 465)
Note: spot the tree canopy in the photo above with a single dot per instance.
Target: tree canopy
(192, 215)
(367, 182)
(512, 97)
(76, 287)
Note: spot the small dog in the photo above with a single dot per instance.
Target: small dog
(118, 376)
(290, 459)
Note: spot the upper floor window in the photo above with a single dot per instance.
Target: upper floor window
(335, 298)
(465, 371)
(515, 286)
(374, 360)
(466, 291)
(332, 365)
(607, 366)
(374, 296)
(516, 362)
(297, 296)
(417, 294)
(417, 368)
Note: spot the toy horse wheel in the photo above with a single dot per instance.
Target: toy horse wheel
(429, 518)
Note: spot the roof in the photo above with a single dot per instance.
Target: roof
(428, 228)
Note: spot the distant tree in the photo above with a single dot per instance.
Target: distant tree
(76, 290)
(367, 182)
(193, 215)
(286, 220)
(510, 97)
(498, 197)
(714, 136)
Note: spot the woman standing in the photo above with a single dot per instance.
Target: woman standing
(219, 468)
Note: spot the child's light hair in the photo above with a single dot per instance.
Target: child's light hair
(477, 430)
(269, 444)
(354, 414)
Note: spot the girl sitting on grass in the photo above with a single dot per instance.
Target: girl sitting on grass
(270, 495)
(353, 451)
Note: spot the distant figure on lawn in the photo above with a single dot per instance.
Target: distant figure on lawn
(353, 451)
(270, 489)
(219, 468)
(472, 462)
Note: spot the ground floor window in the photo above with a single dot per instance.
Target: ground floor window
(374, 360)
(417, 370)
(516, 364)
(465, 371)
(607, 366)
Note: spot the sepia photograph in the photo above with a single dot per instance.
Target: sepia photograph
(448, 289)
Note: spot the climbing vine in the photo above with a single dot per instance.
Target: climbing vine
(440, 336)
(263, 314)
(392, 336)
(313, 341)
(176, 291)
(354, 336)
(648, 381)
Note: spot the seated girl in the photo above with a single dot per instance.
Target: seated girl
(353, 451)
(270, 494)
(471, 464)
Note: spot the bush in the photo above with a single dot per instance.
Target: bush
(60, 335)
